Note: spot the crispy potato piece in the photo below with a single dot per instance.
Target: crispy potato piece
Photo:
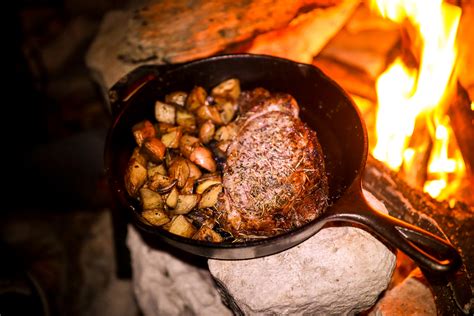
(196, 98)
(210, 196)
(181, 226)
(202, 157)
(159, 169)
(206, 181)
(139, 157)
(207, 234)
(172, 137)
(227, 111)
(165, 113)
(150, 199)
(172, 198)
(186, 120)
(208, 112)
(222, 147)
(187, 143)
(194, 171)
(176, 97)
(228, 89)
(170, 156)
(188, 187)
(226, 132)
(206, 131)
(135, 174)
(203, 216)
(142, 131)
(156, 217)
(161, 183)
(153, 149)
(179, 170)
(163, 128)
(186, 202)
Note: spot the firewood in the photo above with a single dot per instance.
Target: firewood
(462, 122)
(453, 222)
(177, 31)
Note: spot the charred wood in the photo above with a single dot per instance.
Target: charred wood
(453, 293)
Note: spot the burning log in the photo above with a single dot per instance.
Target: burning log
(462, 122)
(178, 31)
(453, 294)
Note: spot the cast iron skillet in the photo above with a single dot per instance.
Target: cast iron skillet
(324, 106)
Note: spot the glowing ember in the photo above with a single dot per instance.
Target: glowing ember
(406, 94)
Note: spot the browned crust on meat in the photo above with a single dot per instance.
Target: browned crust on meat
(274, 177)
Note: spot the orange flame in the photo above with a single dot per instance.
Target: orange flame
(404, 94)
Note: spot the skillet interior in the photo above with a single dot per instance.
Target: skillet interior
(325, 107)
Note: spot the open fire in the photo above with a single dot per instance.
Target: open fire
(413, 129)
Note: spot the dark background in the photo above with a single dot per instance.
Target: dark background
(55, 233)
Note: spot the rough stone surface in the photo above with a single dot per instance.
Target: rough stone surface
(101, 58)
(166, 285)
(411, 297)
(339, 271)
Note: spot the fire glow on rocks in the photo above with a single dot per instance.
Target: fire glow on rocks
(408, 98)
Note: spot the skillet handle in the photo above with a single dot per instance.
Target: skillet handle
(126, 87)
(426, 249)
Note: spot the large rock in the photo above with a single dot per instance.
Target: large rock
(338, 271)
(411, 297)
(167, 285)
(101, 58)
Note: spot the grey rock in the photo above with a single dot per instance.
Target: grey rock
(411, 297)
(167, 285)
(102, 58)
(338, 271)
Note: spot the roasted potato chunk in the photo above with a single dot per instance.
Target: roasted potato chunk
(142, 131)
(135, 175)
(172, 137)
(156, 217)
(153, 149)
(194, 171)
(222, 147)
(226, 132)
(181, 226)
(160, 169)
(227, 111)
(196, 98)
(188, 187)
(187, 144)
(207, 234)
(150, 199)
(206, 181)
(185, 203)
(208, 112)
(172, 198)
(202, 157)
(206, 132)
(160, 183)
(163, 128)
(165, 113)
(186, 120)
(210, 196)
(179, 170)
(229, 89)
(177, 97)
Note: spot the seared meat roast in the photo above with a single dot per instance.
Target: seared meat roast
(274, 177)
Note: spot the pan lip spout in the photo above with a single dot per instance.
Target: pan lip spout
(251, 248)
